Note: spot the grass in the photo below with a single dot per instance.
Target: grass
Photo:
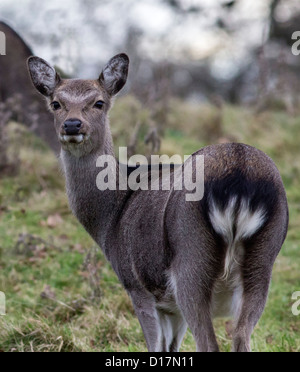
(62, 294)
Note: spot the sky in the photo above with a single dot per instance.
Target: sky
(80, 35)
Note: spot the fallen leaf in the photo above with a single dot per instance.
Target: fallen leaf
(63, 237)
(84, 274)
(54, 221)
(48, 293)
(78, 248)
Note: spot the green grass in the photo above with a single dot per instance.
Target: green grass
(61, 293)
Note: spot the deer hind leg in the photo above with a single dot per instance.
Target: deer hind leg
(193, 298)
(173, 326)
(260, 254)
(253, 303)
(162, 323)
(199, 320)
(145, 309)
(179, 327)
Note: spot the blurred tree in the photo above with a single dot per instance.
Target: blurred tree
(282, 31)
(205, 45)
(229, 4)
(15, 81)
(182, 6)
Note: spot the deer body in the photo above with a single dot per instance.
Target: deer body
(182, 263)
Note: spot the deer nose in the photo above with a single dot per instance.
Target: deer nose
(72, 127)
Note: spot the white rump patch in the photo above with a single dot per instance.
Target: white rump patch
(246, 223)
(223, 221)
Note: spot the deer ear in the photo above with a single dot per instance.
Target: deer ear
(114, 74)
(43, 76)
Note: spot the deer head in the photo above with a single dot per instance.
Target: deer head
(80, 107)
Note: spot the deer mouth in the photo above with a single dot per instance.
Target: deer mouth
(75, 139)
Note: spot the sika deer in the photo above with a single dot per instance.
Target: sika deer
(182, 263)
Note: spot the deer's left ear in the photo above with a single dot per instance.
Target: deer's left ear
(43, 76)
(115, 73)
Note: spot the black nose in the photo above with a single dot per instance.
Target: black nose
(72, 127)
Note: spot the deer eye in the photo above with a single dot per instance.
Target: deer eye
(55, 105)
(99, 105)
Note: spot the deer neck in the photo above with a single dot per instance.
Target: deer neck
(94, 209)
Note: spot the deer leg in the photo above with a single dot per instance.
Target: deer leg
(194, 300)
(174, 328)
(256, 274)
(253, 304)
(200, 323)
(179, 327)
(145, 309)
